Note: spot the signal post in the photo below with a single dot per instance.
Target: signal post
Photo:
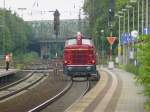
(111, 41)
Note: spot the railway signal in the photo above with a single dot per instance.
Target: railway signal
(56, 22)
(111, 41)
(111, 15)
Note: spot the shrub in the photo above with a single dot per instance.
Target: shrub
(24, 59)
(132, 68)
(144, 70)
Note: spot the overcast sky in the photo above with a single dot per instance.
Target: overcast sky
(38, 9)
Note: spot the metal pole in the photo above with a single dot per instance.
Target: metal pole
(124, 22)
(128, 21)
(133, 19)
(142, 16)
(138, 16)
(127, 51)
(119, 30)
(119, 47)
(146, 19)
(124, 46)
(102, 49)
(132, 47)
(149, 13)
(110, 52)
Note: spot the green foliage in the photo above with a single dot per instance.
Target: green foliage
(97, 11)
(29, 57)
(131, 68)
(14, 32)
(25, 59)
(144, 59)
(120, 4)
(97, 14)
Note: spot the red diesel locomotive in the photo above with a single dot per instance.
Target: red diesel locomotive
(80, 57)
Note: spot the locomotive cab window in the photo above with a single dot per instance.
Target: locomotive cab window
(74, 42)
(87, 42)
(70, 42)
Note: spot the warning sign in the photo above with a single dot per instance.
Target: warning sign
(111, 40)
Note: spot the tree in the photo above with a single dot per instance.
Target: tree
(15, 33)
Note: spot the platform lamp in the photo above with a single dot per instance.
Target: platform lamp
(119, 37)
(123, 12)
(137, 2)
(147, 14)
(138, 25)
(133, 18)
(130, 7)
(102, 33)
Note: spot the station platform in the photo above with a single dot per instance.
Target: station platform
(3, 72)
(117, 91)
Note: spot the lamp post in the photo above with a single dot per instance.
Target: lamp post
(133, 2)
(124, 18)
(133, 19)
(128, 50)
(124, 30)
(138, 8)
(128, 7)
(138, 16)
(142, 16)
(147, 12)
(124, 23)
(119, 39)
(102, 33)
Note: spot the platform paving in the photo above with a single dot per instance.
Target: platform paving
(123, 94)
(3, 72)
(131, 98)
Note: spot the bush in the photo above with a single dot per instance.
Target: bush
(30, 57)
(131, 68)
(144, 70)
(24, 59)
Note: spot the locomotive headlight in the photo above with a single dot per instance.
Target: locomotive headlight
(93, 61)
(69, 68)
(65, 62)
(88, 68)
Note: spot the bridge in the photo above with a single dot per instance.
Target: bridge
(52, 40)
(49, 46)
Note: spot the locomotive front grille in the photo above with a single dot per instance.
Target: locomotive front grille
(79, 57)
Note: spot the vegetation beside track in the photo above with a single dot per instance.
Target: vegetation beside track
(144, 69)
(25, 59)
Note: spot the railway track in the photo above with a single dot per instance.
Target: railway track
(75, 90)
(54, 89)
(51, 85)
(8, 80)
(21, 85)
(16, 82)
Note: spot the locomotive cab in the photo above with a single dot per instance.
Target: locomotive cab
(79, 57)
